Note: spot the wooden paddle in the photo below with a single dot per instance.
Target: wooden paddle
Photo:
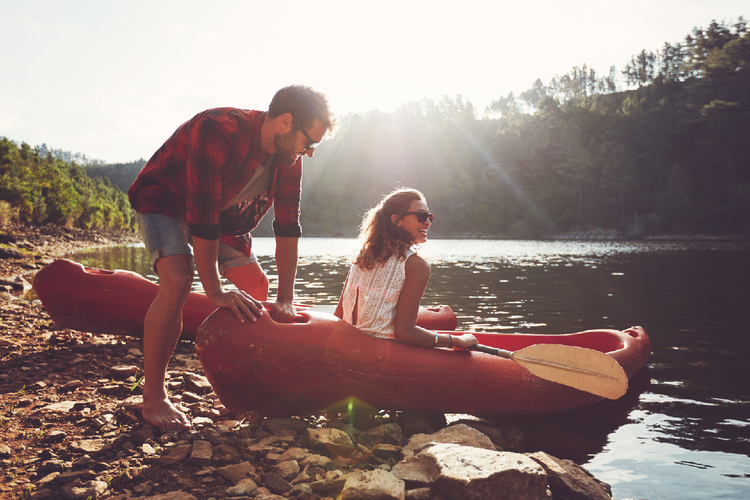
(584, 369)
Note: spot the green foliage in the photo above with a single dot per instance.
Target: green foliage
(37, 186)
(571, 155)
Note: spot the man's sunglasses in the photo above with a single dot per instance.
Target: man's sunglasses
(422, 216)
(312, 144)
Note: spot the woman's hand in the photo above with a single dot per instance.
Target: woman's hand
(464, 341)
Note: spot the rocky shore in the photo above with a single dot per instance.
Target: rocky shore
(70, 424)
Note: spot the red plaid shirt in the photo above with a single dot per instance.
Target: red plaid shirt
(204, 166)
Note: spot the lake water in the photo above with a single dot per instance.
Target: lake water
(683, 429)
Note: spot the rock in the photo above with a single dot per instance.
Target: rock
(568, 480)
(287, 470)
(292, 454)
(225, 454)
(315, 460)
(73, 476)
(505, 437)
(124, 371)
(422, 469)
(244, 487)
(201, 454)
(17, 284)
(237, 472)
(144, 489)
(10, 253)
(419, 494)
(329, 486)
(87, 445)
(172, 495)
(470, 473)
(142, 436)
(290, 423)
(455, 434)
(420, 423)
(91, 490)
(383, 434)
(373, 485)
(176, 455)
(275, 483)
(4, 451)
(196, 383)
(333, 441)
(54, 437)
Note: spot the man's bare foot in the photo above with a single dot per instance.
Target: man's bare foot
(163, 414)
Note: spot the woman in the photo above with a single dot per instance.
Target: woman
(385, 284)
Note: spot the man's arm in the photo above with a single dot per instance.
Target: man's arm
(206, 258)
(286, 266)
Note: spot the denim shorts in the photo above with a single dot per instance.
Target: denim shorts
(164, 236)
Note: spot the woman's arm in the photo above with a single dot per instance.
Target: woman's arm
(406, 329)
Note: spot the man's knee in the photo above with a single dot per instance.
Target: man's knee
(250, 279)
(175, 275)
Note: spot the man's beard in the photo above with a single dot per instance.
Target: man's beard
(285, 145)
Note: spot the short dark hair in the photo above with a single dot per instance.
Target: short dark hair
(304, 104)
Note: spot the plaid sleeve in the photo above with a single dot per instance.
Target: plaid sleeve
(286, 204)
(208, 151)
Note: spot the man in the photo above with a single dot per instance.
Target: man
(209, 185)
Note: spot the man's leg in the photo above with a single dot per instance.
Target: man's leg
(249, 278)
(161, 331)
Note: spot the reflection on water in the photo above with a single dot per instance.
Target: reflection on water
(682, 431)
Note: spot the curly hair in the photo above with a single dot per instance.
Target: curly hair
(381, 238)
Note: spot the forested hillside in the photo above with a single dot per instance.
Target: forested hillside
(37, 187)
(669, 153)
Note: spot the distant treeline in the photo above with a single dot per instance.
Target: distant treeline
(671, 153)
(38, 187)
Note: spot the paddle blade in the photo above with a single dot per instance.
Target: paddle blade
(584, 369)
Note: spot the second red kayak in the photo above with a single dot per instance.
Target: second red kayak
(115, 302)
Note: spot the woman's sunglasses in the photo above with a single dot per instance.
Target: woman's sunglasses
(422, 216)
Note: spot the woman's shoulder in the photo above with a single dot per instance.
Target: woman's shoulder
(416, 263)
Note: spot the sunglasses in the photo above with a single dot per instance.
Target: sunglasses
(313, 144)
(422, 216)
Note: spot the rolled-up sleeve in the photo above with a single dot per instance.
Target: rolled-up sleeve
(208, 152)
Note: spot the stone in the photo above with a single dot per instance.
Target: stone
(568, 480)
(244, 487)
(196, 383)
(124, 371)
(88, 445)
(420, 423)
(275, 483)
(201, 454)
(382, 434)
(422, 469)
(373, 485)
(291, 423)
(387, 452)
(173, 495)
(455, 434)
(333, 441)
(90, 490)
(505, 437)
(470, 473)
(142, 436)
(292, 454)
(73, 476)
(225, 454)
(237, 472)
(287, 470)
(5, 450)
(419, 494)
(329, 486)
(315, 460)
(54, 437)
(176, 455)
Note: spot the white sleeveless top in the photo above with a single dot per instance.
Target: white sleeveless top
(376, 293)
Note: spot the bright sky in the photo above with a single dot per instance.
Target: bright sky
(113, 79)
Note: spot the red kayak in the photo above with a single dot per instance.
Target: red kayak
(323, 363)
(116, 302)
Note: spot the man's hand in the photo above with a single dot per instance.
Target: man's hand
(283, 312)
(241, 304)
